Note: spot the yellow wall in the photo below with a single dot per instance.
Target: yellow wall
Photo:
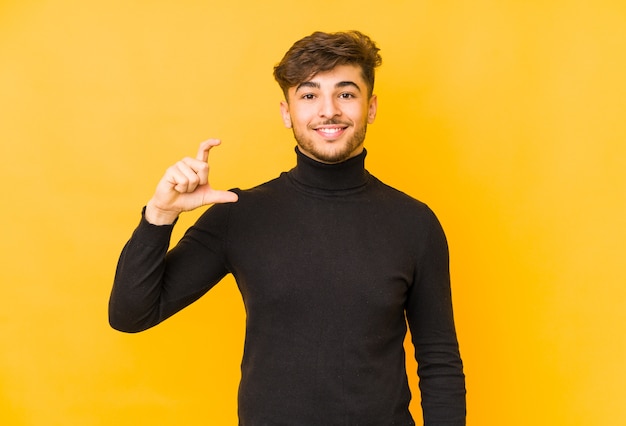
(507, 117)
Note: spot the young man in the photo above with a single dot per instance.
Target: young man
(331, 263)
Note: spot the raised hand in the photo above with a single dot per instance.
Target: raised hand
(184, 187)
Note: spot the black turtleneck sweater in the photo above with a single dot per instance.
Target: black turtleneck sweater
(332, 264)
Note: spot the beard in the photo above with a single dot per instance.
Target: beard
(331, 152)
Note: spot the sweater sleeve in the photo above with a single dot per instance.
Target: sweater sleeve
(152, 283)
(431, 321)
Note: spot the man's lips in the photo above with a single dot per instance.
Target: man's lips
(330, 132)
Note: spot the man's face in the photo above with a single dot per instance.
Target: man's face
(329, 114)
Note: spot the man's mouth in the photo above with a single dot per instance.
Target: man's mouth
(330, 132)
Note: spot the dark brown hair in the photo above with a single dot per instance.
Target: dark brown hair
(321, 52)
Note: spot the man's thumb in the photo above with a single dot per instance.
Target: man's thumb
(219, 197)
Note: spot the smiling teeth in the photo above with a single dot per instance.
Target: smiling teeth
(331, 130)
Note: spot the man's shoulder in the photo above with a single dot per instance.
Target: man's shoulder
(394, 194)
(262, 189)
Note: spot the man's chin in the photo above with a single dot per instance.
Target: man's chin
(331, 155)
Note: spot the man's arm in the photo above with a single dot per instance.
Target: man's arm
(430, 317)
(150, 283)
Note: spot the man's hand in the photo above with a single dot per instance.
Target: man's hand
(184, 187)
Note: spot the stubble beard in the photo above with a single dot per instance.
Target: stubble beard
(332, 152)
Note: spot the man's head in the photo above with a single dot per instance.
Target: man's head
(321, 52)
(328, 81)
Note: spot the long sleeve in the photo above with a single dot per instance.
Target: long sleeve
(430, 317)
(151, 284)
(331, 263)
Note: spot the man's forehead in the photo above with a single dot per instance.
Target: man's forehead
(341, 75)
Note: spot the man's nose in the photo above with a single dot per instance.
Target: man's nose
(329, 107)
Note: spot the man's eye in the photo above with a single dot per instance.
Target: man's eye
(346, 96)
(308, 96)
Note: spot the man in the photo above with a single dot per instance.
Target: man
(331, 263)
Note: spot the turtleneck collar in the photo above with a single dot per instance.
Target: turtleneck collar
(347, 175)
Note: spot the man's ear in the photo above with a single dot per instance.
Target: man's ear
(373, 107)
(284, 112)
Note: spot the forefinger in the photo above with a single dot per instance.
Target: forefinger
(205, 147)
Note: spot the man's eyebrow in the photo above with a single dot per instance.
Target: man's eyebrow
(308, 84)
(316, 85)
(342, 84)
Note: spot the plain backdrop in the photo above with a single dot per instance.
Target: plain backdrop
(506, 117)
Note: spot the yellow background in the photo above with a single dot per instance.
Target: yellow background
(507, 117)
